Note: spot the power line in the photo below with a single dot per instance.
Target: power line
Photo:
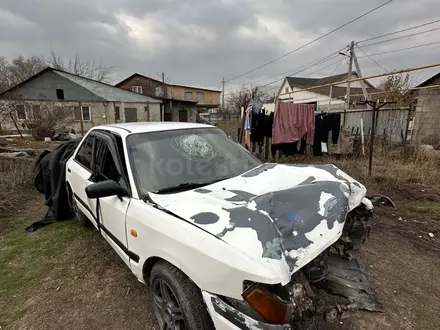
(301, 67)
(402, 37)
(311, 42)
(399, 31)
(322, 60)
(401, 49)
(296, 72)
(372, 59)
(337, 66)
(327, 66)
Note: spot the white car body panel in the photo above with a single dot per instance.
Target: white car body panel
(207, 260)
(217, 263)
(237, 195)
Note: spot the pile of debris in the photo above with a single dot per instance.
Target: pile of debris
(7, 151)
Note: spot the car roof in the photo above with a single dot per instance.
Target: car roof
(145, 127)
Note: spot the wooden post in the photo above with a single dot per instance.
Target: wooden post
(266, 148)
(373, 128)
(408, 118)
(16, 126)
(375, 107)
(81, 118)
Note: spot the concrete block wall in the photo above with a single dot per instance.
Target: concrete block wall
(427, 116)
(100, 113)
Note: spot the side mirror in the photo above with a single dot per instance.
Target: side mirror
(105, 189)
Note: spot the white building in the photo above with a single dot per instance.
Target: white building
(325, 98)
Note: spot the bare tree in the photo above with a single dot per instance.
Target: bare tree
(18, 70)
(243, 97)
(397, 88)
(90, 69)
(45, 119)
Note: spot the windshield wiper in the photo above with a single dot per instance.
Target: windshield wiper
(187, 186)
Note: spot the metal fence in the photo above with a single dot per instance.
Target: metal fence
(391, 123)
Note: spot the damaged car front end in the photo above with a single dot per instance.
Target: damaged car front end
(322, 291)
(306, 223)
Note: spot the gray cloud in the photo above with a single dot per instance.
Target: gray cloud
(200, 41)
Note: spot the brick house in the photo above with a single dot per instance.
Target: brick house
(181, 103)
(91, 102)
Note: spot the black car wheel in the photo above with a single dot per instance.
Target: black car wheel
(82, 219)
(177, 301)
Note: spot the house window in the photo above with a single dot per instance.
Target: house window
(188, 95)
(35, 112)
(200, 96)
(83, 112)
(286, 90)
(21, 113)
(60, 94)
(137, 89)
(117, 114)
(159, 91)
(86, 113)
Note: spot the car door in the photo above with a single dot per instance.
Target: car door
(107, 165)
(79, 172)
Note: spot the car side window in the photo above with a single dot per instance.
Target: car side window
(84, 155)
(105, 164)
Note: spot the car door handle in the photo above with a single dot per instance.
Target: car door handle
(68, 170)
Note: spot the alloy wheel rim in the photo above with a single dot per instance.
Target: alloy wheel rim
(167, 307)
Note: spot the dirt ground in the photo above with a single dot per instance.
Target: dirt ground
(67, 277)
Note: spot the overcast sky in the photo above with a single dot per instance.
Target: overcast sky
(197, 42)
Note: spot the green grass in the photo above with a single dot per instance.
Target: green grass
(25, 258)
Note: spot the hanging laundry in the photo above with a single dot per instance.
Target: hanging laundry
(257, 127)
(292, 122)
(268, 125)
(323, 124)
(247, 127)
(246, 121)
(256, 106)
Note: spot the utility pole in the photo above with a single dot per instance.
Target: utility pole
(164, 95)
(350, 68)
(163, 85)
(364, 91)
(223, 93)
(358, 70)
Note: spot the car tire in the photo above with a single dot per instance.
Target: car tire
(182, 295)
(82, 219)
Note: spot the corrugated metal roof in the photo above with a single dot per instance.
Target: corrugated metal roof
(107, 92)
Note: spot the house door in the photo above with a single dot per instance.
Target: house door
(183, 116)
(131, 115)
(167, 116)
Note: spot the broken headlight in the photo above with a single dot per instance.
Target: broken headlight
(265, 303)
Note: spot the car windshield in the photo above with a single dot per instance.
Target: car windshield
(174, 160)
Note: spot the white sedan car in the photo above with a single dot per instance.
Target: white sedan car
(219, 237)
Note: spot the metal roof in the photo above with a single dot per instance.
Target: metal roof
(107, 92)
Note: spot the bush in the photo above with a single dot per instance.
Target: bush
(46, 119)
(15, 177)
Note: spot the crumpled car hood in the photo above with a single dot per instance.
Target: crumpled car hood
(283, 215)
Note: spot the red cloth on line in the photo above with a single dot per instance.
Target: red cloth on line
(292, 121)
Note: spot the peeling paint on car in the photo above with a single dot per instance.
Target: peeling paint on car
(292, 212)
(258, 170)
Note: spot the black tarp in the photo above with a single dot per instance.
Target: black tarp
(49, 178)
